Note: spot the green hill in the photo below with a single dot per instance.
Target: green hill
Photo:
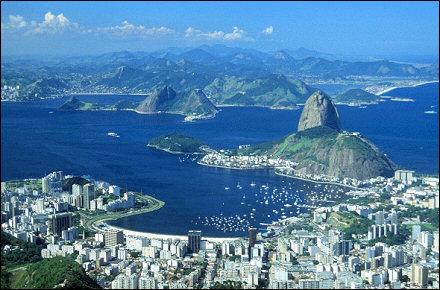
(356, 97)
(270, 91)
(57, 272)
(177, 143)
(324, 151)
(73, 104)
(25, 252)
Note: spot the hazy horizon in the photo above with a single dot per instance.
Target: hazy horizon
(402, 31)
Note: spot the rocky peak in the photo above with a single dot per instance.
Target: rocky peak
(167, 93)
(319, 111)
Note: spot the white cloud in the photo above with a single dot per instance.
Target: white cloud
(53, 24)
(268, 30)
(191, 31)
(235, 34)
(50, 24)
(16, 21)
(128, 29)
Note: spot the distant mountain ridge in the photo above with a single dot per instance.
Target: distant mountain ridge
(203, 67)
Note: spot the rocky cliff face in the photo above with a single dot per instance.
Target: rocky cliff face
(319, 111)
(158, 101)
(72, 104)
(167, 100)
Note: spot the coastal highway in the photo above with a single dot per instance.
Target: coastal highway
(92, 221)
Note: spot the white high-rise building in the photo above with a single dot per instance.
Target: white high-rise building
(77, 189)
(146, 282)
(39, 206)
(115, 190)
(45, 184)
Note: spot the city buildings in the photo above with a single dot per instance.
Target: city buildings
(398, 247)
(113, 238)
(194, 240)
(60, 222)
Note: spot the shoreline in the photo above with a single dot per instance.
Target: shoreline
(261, 106)
(173, 152)
(151, 235)
(399, 87)
(317, 181)
(282, 174)
(227, 167)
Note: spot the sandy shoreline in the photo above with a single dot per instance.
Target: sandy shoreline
(413, 86)
(167, 236)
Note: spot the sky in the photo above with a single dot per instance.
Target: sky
(345, 28)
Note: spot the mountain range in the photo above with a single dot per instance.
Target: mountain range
(227, 75)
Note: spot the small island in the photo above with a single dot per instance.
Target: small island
(357, 97)
(178, 144)
(193, 105)
(73, 104)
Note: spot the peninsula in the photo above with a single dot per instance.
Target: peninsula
(320, 150)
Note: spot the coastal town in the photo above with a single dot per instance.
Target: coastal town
(383, 235)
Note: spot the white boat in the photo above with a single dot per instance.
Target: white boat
(113, 134)
(430, 112)
(253, 184)
(226, 188)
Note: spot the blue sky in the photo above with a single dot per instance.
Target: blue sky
(349, 28)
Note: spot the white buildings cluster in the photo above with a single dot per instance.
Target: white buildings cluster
(306, 252)
(244, 161)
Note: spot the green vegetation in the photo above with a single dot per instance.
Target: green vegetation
(268, 91)
(356, 96)
(5, 279)
(30, 184)
(355, 143)
(256, 149)
(350, 223)
(14, 261)
(305, 143)
(425, 214)
(73, 104)
(22, 252)
(177, 143)
(57, 272)
(68, 182)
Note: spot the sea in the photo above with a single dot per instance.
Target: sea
(36, 139)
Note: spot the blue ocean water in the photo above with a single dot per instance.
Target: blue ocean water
(35, 141)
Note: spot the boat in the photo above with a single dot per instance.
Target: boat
(430, 112)
(113, 134)
(253, 184)
(226, 188)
